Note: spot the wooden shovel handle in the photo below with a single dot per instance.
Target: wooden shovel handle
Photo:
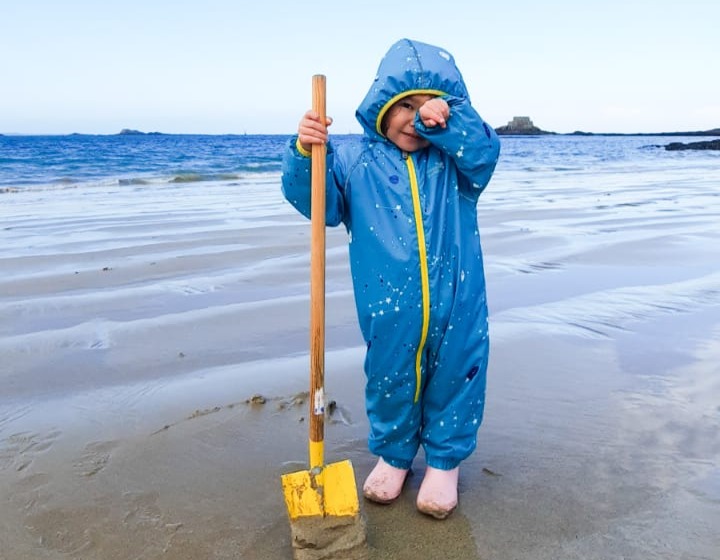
(317, 276)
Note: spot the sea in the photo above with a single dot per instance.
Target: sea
(52, 188)
(88, 192)
(78, 161)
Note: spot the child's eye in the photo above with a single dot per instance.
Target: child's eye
(406, 105)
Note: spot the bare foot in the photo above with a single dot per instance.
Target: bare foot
(438, 495)
(384, 484)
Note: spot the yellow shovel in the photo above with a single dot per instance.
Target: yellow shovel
(322, 502)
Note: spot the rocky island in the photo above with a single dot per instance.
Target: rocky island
(705, 145)
(521, 126)
(133, 132)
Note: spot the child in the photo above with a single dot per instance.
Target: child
(407, 193)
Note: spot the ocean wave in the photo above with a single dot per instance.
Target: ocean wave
(202, 177)
(133, 181)
(258, 173)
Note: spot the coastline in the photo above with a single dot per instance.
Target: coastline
(501, 130)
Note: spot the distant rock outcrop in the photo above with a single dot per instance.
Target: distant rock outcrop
(521, 125)
(133, 132)
(712, 132)
(706, 145)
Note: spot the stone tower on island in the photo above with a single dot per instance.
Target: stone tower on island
(520, 125)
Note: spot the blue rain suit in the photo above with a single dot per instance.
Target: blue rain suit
(415, 258)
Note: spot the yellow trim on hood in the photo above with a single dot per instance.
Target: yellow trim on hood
(395, 99)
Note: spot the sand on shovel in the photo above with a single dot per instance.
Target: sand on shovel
(329, 538)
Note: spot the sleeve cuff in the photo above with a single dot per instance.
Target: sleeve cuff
(301, 150)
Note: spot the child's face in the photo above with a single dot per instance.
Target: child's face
(399, 123)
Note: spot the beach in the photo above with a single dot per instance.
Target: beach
(154, 369)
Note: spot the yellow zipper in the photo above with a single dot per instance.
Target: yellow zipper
(424, 276)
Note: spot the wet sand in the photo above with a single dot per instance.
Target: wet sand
(154, 369)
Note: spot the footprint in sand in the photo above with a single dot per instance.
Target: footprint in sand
(18, 451)
(96, 457)
(142, 509)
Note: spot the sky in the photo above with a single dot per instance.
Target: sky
(245, 66)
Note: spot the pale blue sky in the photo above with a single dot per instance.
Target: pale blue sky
(233, 66)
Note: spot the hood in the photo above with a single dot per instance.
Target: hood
(409, 67)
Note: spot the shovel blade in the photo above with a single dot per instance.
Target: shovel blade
(330, 491)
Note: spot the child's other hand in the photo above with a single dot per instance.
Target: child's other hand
(312, 131)
(434, 112)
